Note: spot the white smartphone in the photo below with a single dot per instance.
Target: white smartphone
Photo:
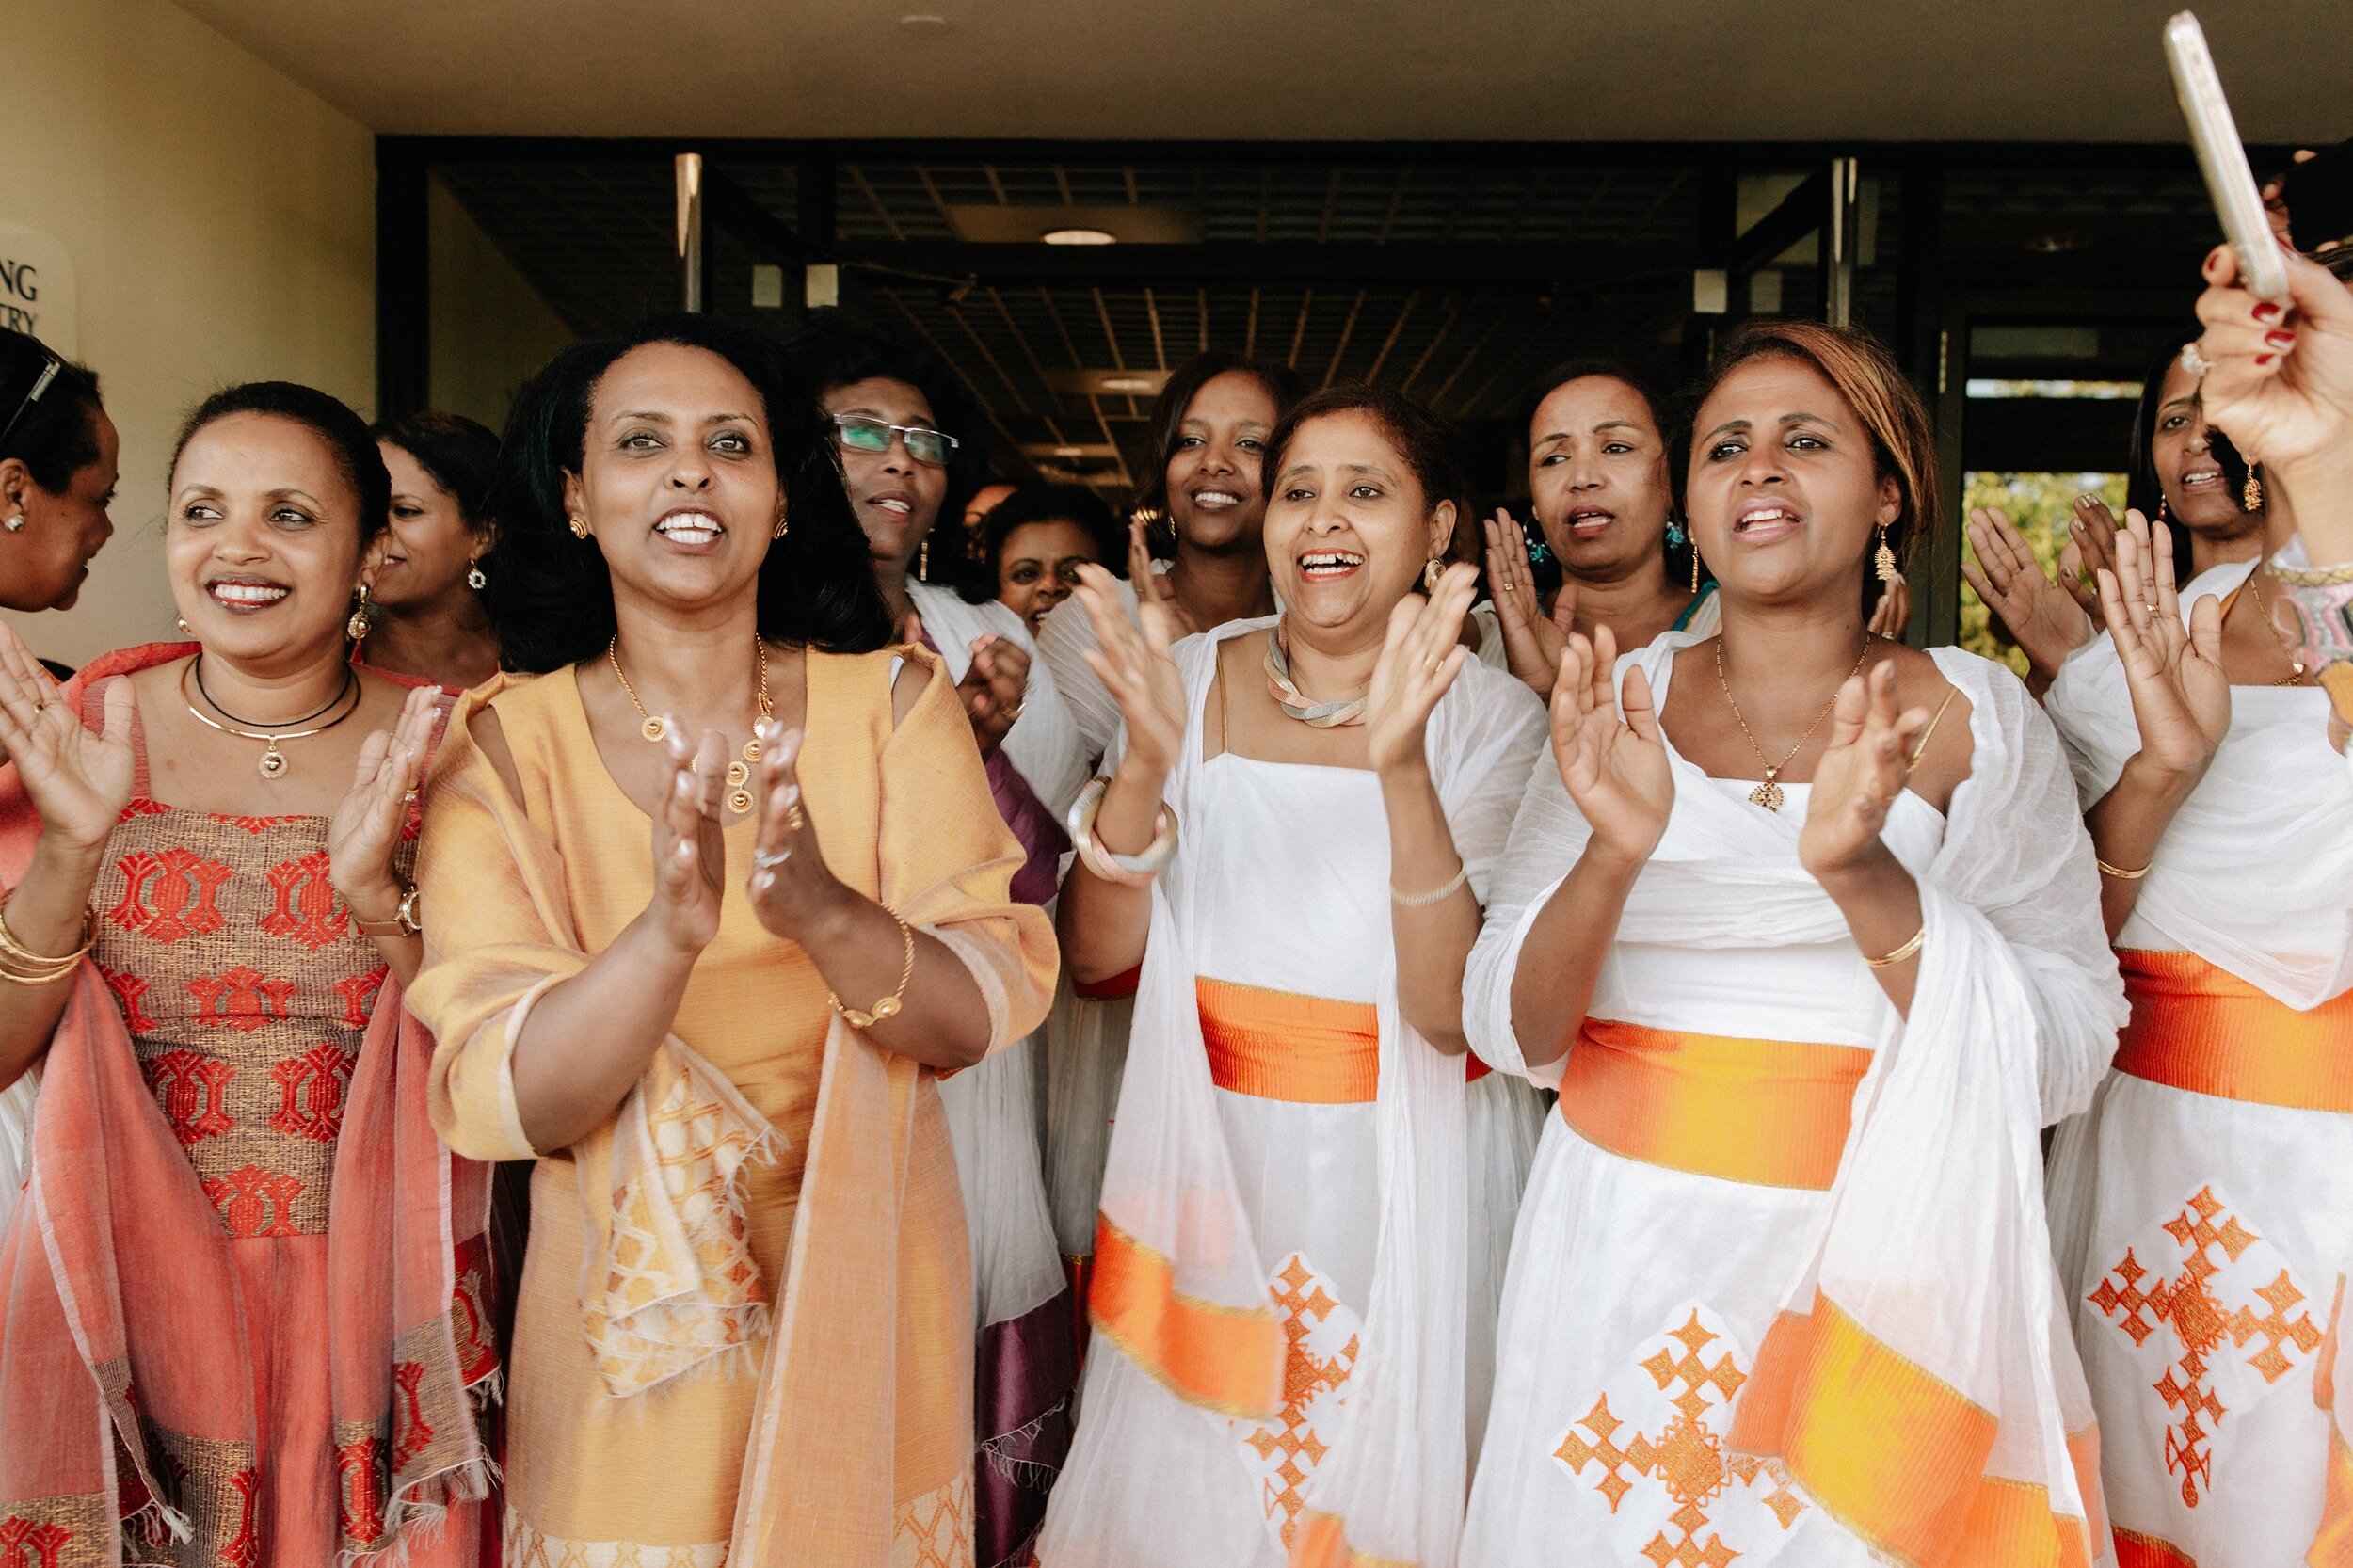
(2222, 158)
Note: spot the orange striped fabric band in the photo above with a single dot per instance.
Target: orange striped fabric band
(1229, 1359)
(1897, 1455)
(2202, 1029)
(2147, 1551)
(1283, 1046)
(1772, 1112)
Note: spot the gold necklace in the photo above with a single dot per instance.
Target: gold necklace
(273, 763)
(2295, 666)
(1768, 794)
(740, 770)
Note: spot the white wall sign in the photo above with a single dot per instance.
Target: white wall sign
(36, 287)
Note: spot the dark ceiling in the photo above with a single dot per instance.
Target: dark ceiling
(1456, 281)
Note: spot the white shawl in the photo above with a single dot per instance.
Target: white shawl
(1935, 1242)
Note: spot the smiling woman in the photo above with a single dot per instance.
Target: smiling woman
(228, 1130)
(57, 473)
(728, 848)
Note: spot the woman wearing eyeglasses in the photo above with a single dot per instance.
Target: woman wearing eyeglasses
(908, 450)
(57, 457)
(247, 1295)
(710, 983)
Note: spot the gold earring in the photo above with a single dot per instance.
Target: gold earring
(923, 560)
(580, 526)
(1430, 573)
(363, 618)
(185, 630)
(783, 526)
(1883, 559)
(2252, 497)
(1695, 566)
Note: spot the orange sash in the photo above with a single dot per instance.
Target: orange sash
(2202, 1029)
(1282, 1046)
(1771, 1113)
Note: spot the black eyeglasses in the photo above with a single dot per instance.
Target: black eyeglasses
(865, 433)
(41, 384)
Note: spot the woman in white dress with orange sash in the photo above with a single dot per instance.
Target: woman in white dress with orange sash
(1805, 927)
(2203, 1210)
(1280, 1288)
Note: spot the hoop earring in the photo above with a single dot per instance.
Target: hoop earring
(1883, 559)
(475, 579)
(580, 526)
(783, 526)
(363, 618)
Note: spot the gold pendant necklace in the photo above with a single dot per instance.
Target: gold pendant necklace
(2295, 666)
(1768, 795)
(273, 765)
(740, 770)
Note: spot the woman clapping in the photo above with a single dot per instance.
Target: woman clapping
(246, 1285)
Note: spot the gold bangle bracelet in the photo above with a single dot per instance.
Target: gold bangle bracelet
(1436, 895)
(889, 1005)
(2119, 872)
(21, 966)
(1908, 949)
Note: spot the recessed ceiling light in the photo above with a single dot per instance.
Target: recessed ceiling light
(1079, 236)
(1128, 384)
(924, 24)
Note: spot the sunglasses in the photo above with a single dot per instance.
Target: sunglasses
(865, 433)
(41, 384)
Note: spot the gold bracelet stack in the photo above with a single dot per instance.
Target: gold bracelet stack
(2117, 872)
(889, 1005)
(1888, 961)
(21, 966)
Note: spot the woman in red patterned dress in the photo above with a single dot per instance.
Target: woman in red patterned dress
(244, 1297)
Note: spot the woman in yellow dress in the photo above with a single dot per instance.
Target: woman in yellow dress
(744, 1331)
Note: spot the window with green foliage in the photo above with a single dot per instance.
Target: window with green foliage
(2038, 505)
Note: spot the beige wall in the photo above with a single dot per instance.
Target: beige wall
(222, 225)
(491, 329)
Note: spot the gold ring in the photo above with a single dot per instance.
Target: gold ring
(794, 819)
(1430, 664)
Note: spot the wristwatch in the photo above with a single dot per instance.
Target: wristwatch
(403, 923)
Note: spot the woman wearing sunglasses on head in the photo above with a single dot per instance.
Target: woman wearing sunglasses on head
(248, 1300)
(906, 442)
(1803, 923)
(57, 473)
(721, 896)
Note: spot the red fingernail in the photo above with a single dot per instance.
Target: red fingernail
(2267, 310)
(2261, 359)
(2281, 340)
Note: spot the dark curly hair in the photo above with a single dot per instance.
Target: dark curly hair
(833, 351)
(550, 594)
(1431, 447)
(323, 414)
(57, 438)
(460, 453)
(1167, 423)
(1029, 503)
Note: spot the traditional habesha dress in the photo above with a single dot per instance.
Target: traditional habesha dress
(1766, 1190)
(2202, 1209)
(746, 1325)
(1282, 1259)
(1026, 1358)
(247, 1303)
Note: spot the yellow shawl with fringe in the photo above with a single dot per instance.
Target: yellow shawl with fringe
(859, 1434)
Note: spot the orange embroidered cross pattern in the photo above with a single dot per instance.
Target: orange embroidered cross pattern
(2211, 1240)
(1314, 1379)
(1686, 1458)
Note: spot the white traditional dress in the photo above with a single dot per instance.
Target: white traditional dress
(1282, 1256)
(2202, 1209)
(1778, 1290)
(1026, 1358)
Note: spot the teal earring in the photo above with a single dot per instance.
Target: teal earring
(1675, 535)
